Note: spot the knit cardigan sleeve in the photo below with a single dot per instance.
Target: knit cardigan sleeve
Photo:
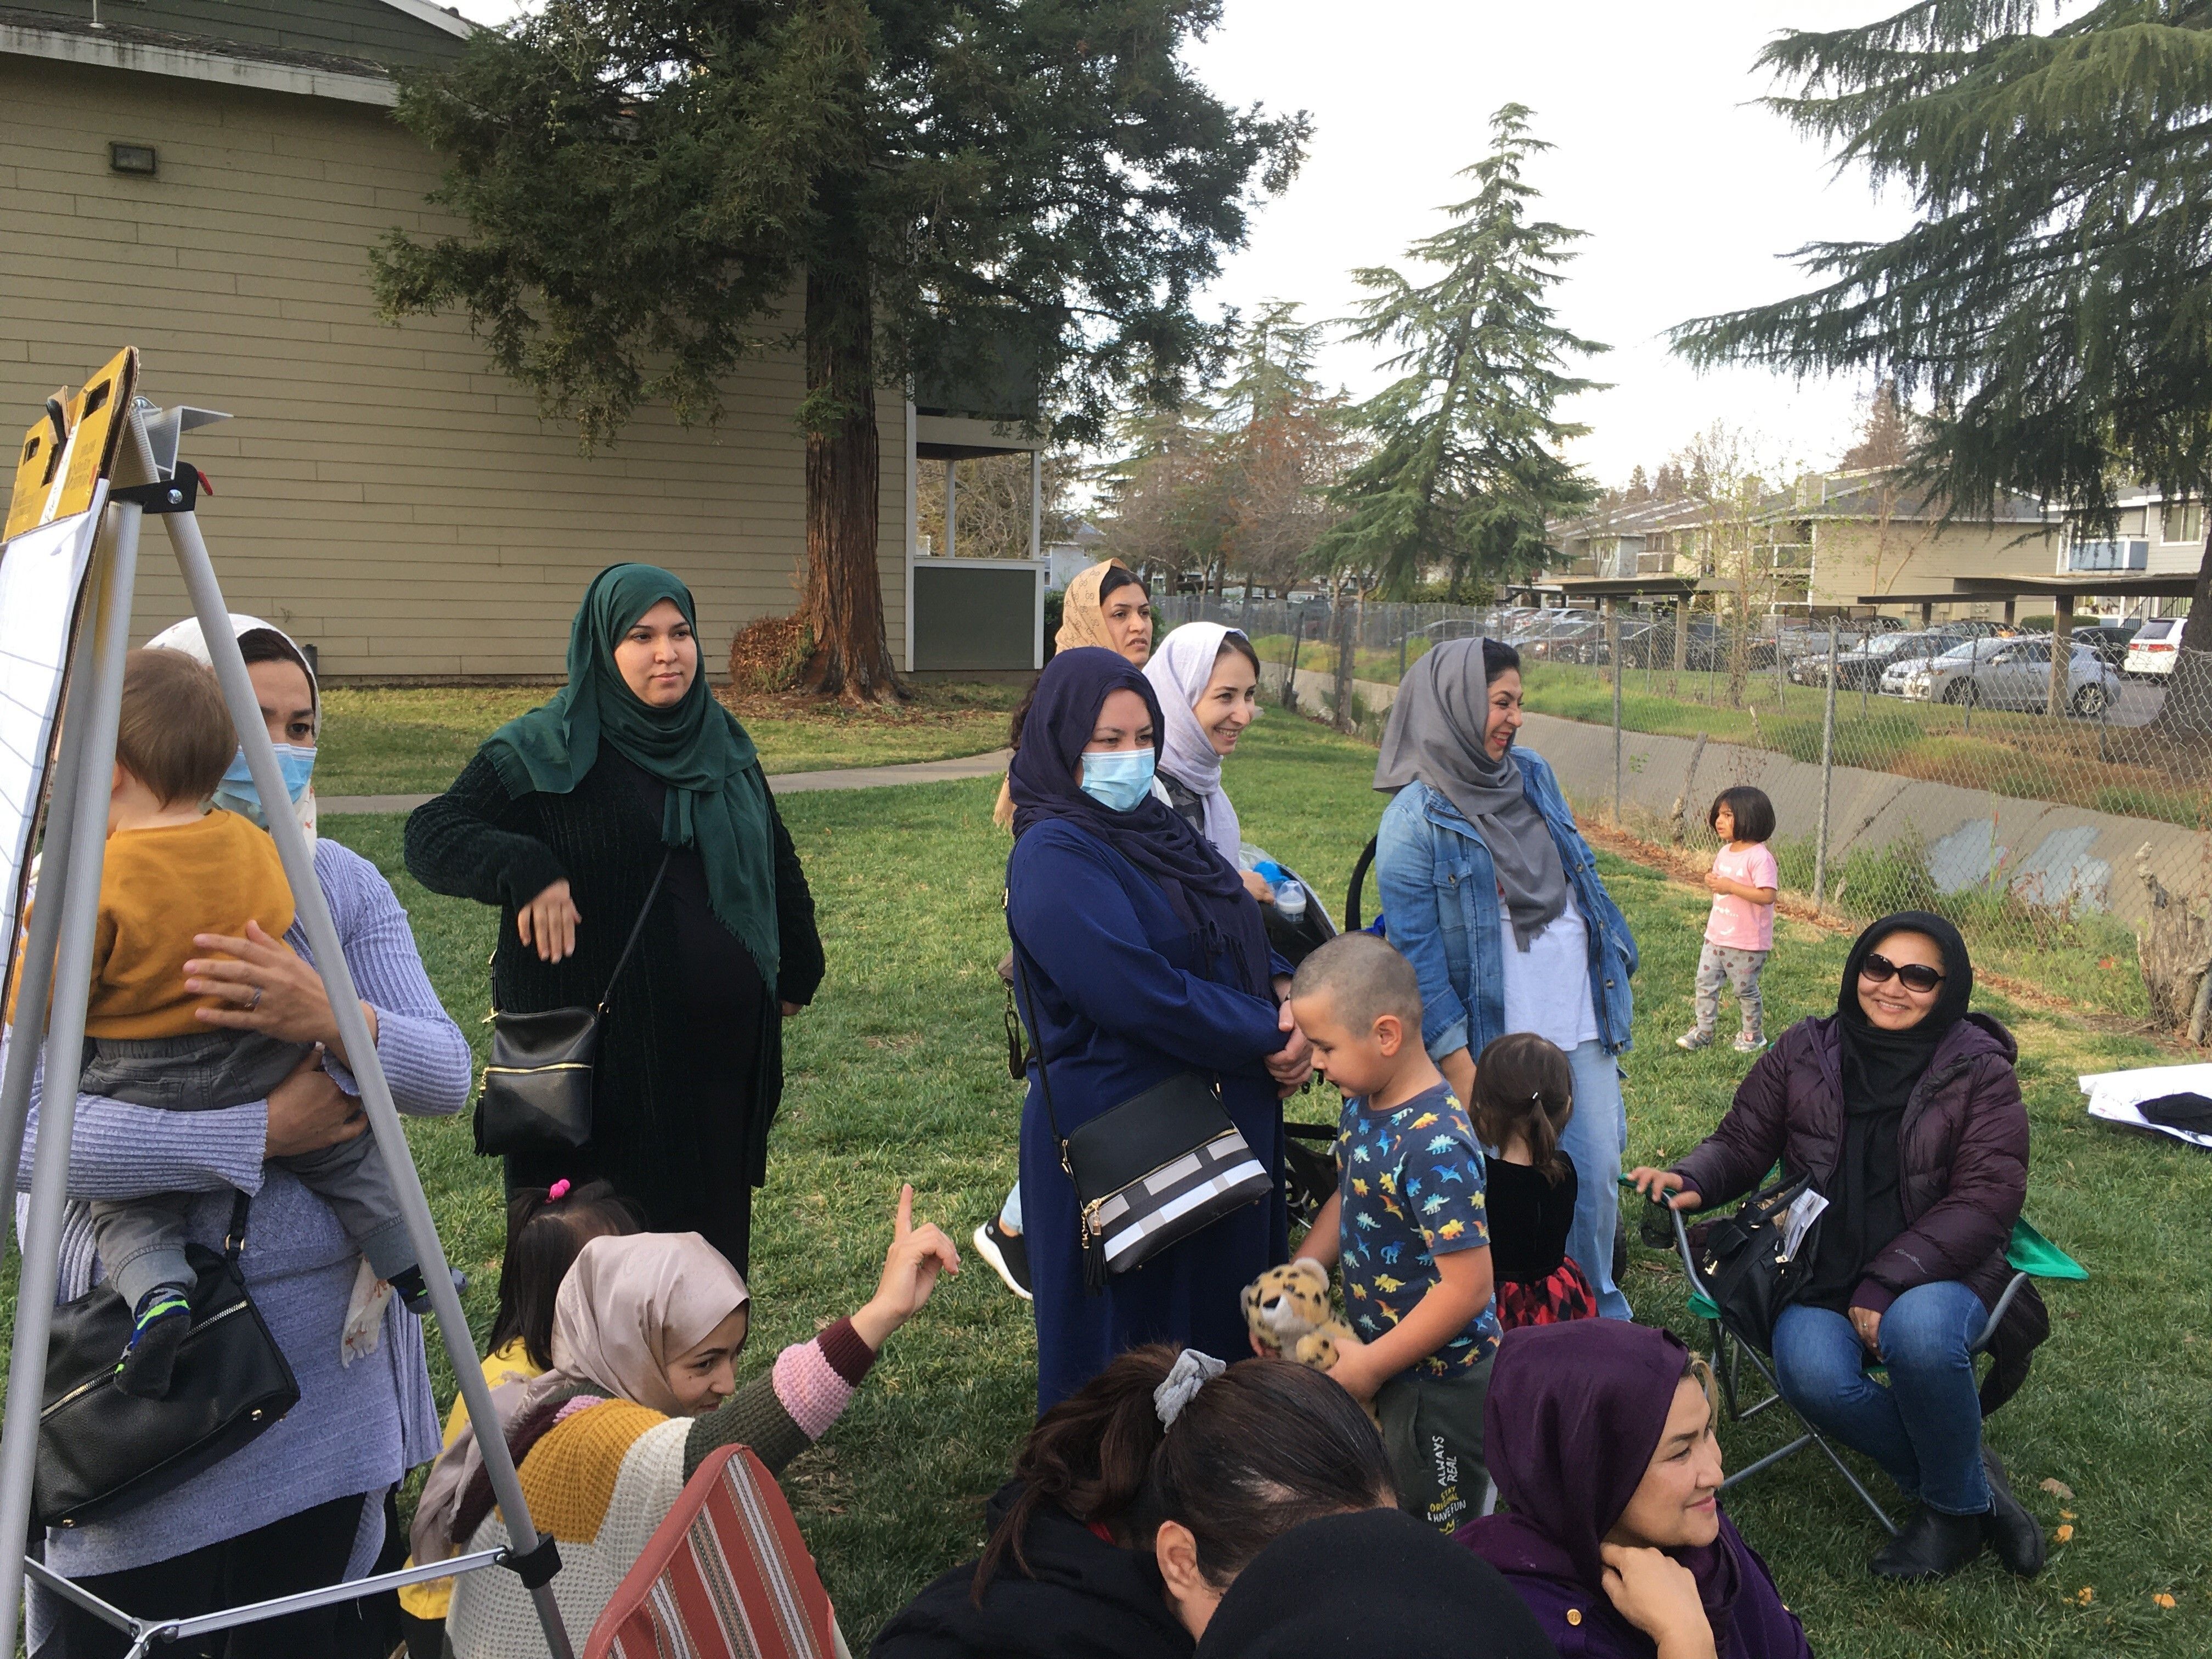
(783, 1412)
(473, 843)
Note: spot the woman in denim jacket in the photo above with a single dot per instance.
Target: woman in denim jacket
(1494, 897)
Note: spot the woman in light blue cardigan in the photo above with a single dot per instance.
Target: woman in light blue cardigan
(303, 1505)
(1493, 896)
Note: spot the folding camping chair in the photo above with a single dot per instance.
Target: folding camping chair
(725, 1575)
(2030, 1254)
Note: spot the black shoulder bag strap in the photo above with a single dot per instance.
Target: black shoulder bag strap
(636, 929)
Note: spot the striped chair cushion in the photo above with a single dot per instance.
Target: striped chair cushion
(726, 1575)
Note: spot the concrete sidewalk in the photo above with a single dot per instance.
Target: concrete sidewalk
(783, 783)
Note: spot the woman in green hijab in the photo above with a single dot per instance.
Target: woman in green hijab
(560, 820)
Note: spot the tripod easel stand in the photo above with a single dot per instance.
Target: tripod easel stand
(59, 960)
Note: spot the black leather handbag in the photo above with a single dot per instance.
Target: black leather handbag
(101, 1449)
(1750, 1274)
(536, 1096)
(1152, 1171)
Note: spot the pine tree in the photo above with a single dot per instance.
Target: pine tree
(653, 189)
(1638, 493)
(1464, 468)
(2052, 297)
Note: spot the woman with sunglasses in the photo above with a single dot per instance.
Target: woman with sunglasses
(1905, 1110)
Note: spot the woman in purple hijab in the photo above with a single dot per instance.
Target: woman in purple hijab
(1600, 1436)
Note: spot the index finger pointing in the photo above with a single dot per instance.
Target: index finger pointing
(905, 1222)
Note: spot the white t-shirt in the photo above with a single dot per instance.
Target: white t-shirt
(1547, 986)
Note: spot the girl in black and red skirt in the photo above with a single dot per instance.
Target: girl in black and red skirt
(1523, 1096)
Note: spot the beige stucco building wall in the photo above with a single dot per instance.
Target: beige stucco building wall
(1856, 557)
(380, 491)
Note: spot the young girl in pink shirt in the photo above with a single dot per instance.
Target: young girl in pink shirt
(1740, 930)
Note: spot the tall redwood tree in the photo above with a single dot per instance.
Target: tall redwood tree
(956, 188)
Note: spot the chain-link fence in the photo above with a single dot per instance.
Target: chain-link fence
(1910, 768)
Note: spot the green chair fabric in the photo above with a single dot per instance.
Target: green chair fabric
(2030, 1253)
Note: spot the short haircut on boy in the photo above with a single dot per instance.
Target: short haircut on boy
(175, 734)
(1752, 812)
(1364, 978)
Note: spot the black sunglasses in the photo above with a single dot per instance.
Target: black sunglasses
(1917, 976)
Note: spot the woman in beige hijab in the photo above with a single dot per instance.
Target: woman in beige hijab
(646, 1337)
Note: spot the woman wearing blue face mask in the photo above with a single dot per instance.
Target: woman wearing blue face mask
(1144, 956)
(307, 1505)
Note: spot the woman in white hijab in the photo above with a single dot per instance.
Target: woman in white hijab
(304, 1505)
(1208, 681)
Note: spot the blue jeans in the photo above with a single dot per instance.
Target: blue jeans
(1592, 1138)
(1925, 1427)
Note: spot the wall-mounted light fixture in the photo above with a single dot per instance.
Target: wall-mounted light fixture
(131, 158)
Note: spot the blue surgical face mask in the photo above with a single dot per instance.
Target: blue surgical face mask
(1117, 779)
(237, 793)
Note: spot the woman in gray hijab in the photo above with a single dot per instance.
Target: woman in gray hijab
(1494, 896)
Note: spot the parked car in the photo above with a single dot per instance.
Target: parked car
(2152, 652)
(2110, 641)
(1864, 664)
(2007, 673)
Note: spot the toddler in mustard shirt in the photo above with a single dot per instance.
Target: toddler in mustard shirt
(174, 869)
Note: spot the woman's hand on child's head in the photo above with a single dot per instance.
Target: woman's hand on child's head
(1659, 1595)
(1655, 1184)
(911, 1266)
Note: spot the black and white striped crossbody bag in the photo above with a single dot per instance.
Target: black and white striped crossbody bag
(1152, 1171)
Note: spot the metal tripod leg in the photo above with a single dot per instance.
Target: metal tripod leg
(314, 916)
(73, 911)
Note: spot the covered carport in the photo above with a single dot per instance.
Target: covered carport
(1609, 591)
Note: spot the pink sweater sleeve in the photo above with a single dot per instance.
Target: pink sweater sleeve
(815, 1380)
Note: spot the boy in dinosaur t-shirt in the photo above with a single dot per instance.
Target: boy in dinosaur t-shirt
(1408, 1225)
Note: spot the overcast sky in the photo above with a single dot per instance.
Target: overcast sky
(1690, 193)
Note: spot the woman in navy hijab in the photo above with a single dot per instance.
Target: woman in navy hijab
(1144, 956)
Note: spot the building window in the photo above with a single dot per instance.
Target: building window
(2184, 523)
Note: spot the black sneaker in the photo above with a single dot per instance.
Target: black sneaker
(1007, 1253)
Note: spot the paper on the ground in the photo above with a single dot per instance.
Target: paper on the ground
(2115, 1097)
(42, 575)
(1802, 1214)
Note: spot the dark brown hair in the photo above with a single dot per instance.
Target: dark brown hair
(267, 645)
(1524, 1086)
(1234, 641)
(544, 1236)
(1259, 1449)
(174, 735)
(1752, 812)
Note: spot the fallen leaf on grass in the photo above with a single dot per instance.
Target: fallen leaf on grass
(2058, 1488)
(2162, 1599)
(2064, 1534)
(2066, 1514)
(2085, 1595)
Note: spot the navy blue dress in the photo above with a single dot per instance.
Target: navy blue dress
(1122, 1005)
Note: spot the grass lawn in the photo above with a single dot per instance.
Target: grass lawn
(412, 739)
(898, 1073)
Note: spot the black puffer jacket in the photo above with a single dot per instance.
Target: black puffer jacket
(1962, 1166)
(1084, 1598)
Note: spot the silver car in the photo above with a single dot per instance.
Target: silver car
(2007, 673)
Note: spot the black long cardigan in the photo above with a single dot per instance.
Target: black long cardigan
(682, 1107)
